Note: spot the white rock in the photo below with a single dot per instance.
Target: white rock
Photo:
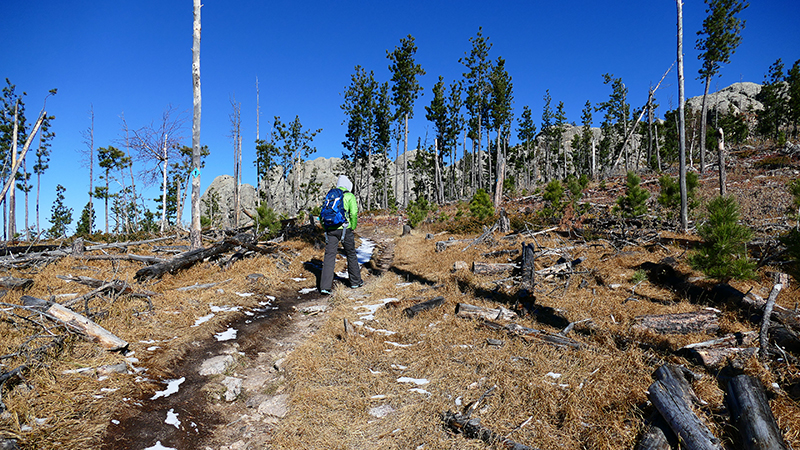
(275, 406)
(381, 411)
(234, 388)
(216, 365)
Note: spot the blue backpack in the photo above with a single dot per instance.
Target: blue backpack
(333, 214)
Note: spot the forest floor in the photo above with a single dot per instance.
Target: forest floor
(235, 354)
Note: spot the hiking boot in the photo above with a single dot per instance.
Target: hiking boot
(324, 292)
(357, 285)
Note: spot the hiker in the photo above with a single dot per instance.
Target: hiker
(339, 217)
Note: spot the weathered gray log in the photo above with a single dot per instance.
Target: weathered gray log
(534, 334)
(76, 322)
(123, 257)
(752, 415)
(730, 349)
(413, 310)
(15, 283)
(671, 402)
(763, 337)
(486, 233)
(190, 258)
(472, 428)
(117, 286)
(528, 268)
(482, 268)
(468, 311)
(559, 268)
(702, 321)
(441, 246)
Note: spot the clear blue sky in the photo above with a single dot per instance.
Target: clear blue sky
(134, 57)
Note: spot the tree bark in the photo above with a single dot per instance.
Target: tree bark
(498, 187)
(190, 258)
(194, 235)
(482, 268)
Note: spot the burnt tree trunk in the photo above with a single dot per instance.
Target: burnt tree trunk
(752, 415)
(703, 321)
(413, 310)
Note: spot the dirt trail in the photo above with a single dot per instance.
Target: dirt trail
(198, 416)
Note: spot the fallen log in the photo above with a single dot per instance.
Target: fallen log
(717, 353)
(763, 337)
(534, 334)
(486, 233)
(702, 321)
(124, 257)
(467, 311)
(656, 436)
(752, 415)
(76, 322)
(670, 399)
(511, 252)
(482, 268)
(15, 283)
(472, 428)
(441, 246)
(188, 259)
(117, 286)
(413, 310)
(559, 268)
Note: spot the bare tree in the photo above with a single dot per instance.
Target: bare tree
(159, 143)
(236, 135)
(682, 124)
(88, 157)
(195, 233)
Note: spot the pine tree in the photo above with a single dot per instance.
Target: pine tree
(42, 160)
(723, 254)
(717, 42)
(615, 120)
(60, 215)
(793, 82)
(526, 133)
(405, 90)
(437, 114)
(634, 203)
(773, 96)
(476, 81)
(85, 224)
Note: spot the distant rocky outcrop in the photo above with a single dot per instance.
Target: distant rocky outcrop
(740, 96)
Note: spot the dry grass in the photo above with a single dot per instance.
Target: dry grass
(56, 408)
(598, 399)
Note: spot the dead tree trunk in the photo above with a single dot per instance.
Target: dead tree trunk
(76, 322)
(468, 311)
(669, 395)
(188, 259)
(413, 310)
(752, 415)
(721, 158)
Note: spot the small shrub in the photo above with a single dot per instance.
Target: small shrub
(773, 162)
(205, 221)
(481, 207)
(417, 211)
(638, 276)
(670, 195)
(634, 203)
(723, 254)
(267, 220)
(554, 200)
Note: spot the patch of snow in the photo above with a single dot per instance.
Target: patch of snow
(364, 251)
(403, 284)
(153, 348)
(245, 294)
(375, 372)
(419, 391)
(227, 335)
(398, 345)
(225, 308)
(378, 397)
(553, 375)
(202, 320)
(371, 309)
(270, 298)
(172, 419)
(458, 401)
(299, 279)
(384, 332)
(417, 381)
(158, 446)
(115, 421)
(172, 387)
(398, 366)
(305, 291)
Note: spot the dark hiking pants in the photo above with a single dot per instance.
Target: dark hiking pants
(332, 239)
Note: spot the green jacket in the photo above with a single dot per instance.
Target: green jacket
(350, 208)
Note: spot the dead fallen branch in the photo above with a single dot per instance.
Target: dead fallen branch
(413, 310)
(702, 321)
(482, 268)
(76, 322)
(467, 311)
(472, 429)
(188, 259)
(15, 283)
(534, 334)
(486, 234)
(716, 353)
